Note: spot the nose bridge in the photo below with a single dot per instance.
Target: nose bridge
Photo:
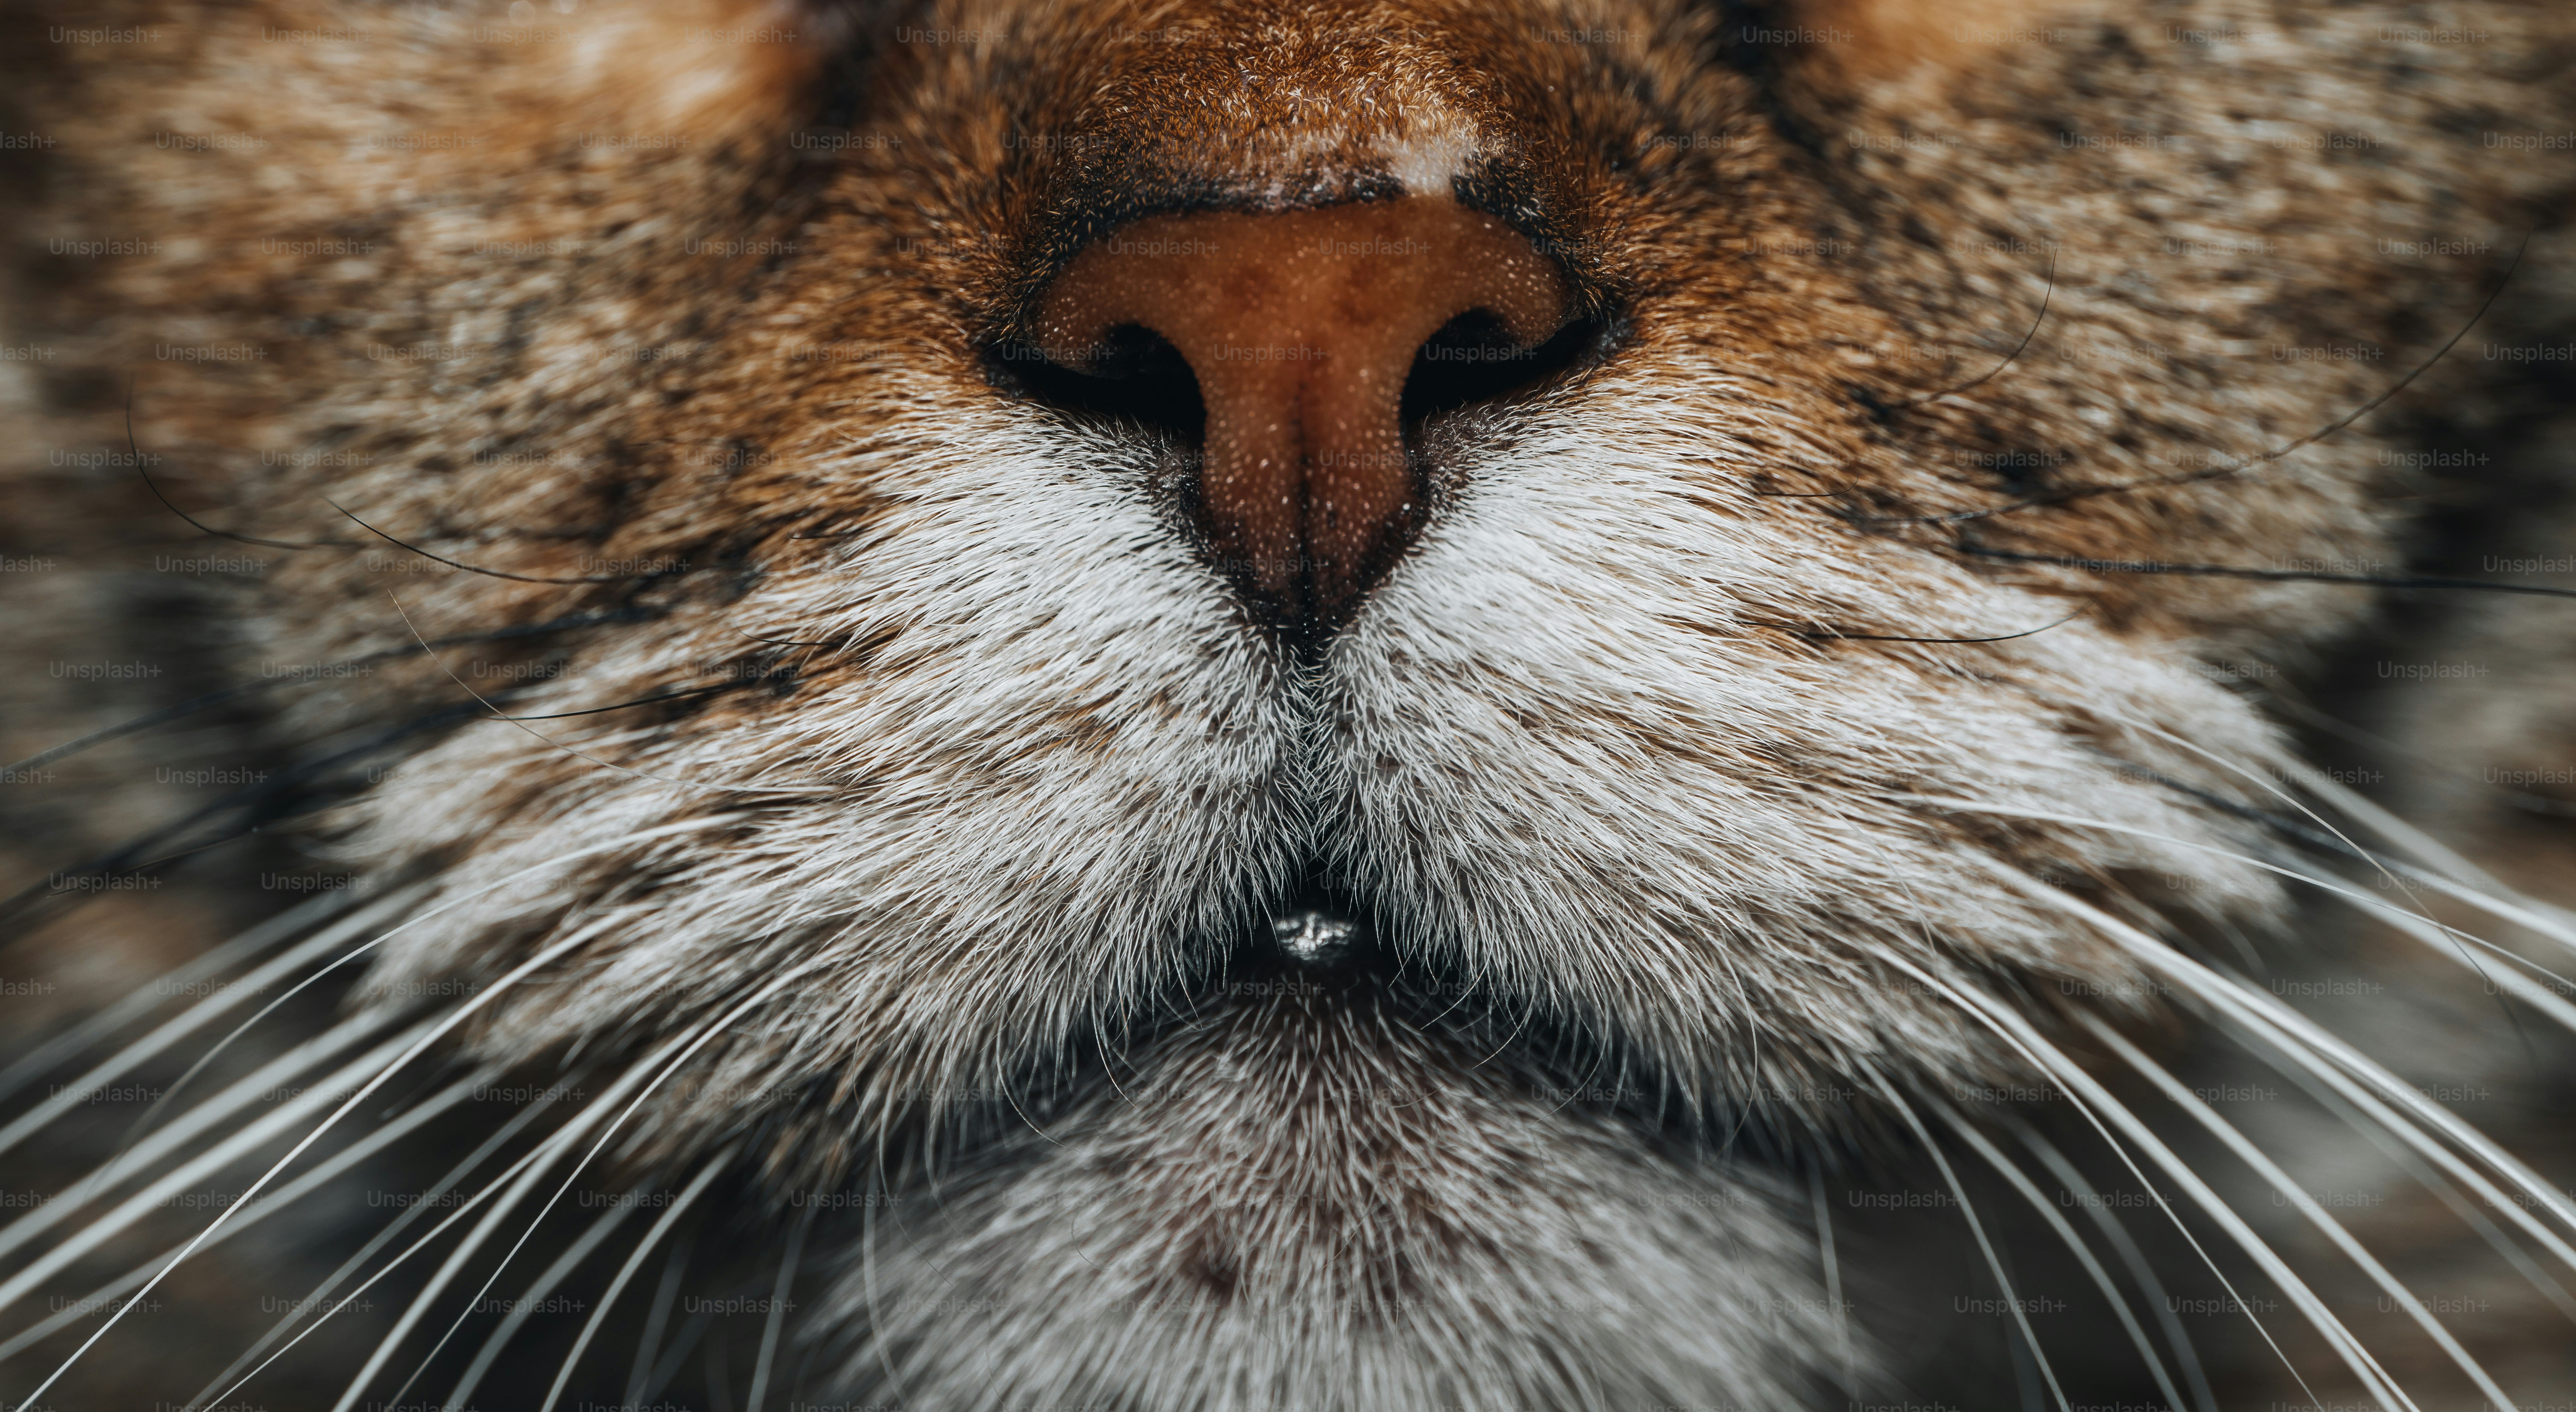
(1301, 327)
(1324, 100)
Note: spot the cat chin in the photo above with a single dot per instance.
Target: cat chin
(1306, 1203)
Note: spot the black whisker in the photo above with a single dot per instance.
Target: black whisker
(2328, 841)
(194, 704)
(639, 701)
(495, 573)
(778, 642)
(1833, 635)
(2045, 298)
(149, 484)
(2083, 492)
(549, 741)
(123, 861)
(193, 852)
(2233, 571)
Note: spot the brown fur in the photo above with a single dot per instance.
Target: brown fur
(613, 304)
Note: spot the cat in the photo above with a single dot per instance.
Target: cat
(1378, 706)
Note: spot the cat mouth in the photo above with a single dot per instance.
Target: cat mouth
(1319, 959)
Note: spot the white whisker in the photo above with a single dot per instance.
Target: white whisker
(667, 1366)
(777, 1310)
(2326, 1224)
(116, 1018)
(876, 1312)
(316, 978)
(2020, 1182)
(2094, 1103)
(189, 1021)
(2465, 880)
(2566, 1015)
(2399, 916)
(1833, 1277)
(235, 1147)
(2140, 1268)
(2255, 1006)
(660, 1066)
(392, 1231)
(436, 1031)
(286, 1196)
(2267, 785)
(1977, 1228)
(556, 1146)
(520, 1177)
(2433, 934)
(2401, 1154)
(648, 1348)
(2301, 1068)
(2537, 918)
(537, 1290)
(258, 1085)
(670, 1216)
(257, 981)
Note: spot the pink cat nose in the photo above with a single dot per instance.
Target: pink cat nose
(1301, 328)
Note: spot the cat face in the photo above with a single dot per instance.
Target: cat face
(960, 656)
(1658, 725)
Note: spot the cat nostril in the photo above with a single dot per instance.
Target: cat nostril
(1296, 348)
(1474, 358)
(1132, 374)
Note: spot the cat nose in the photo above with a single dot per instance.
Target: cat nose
(1301, 328)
